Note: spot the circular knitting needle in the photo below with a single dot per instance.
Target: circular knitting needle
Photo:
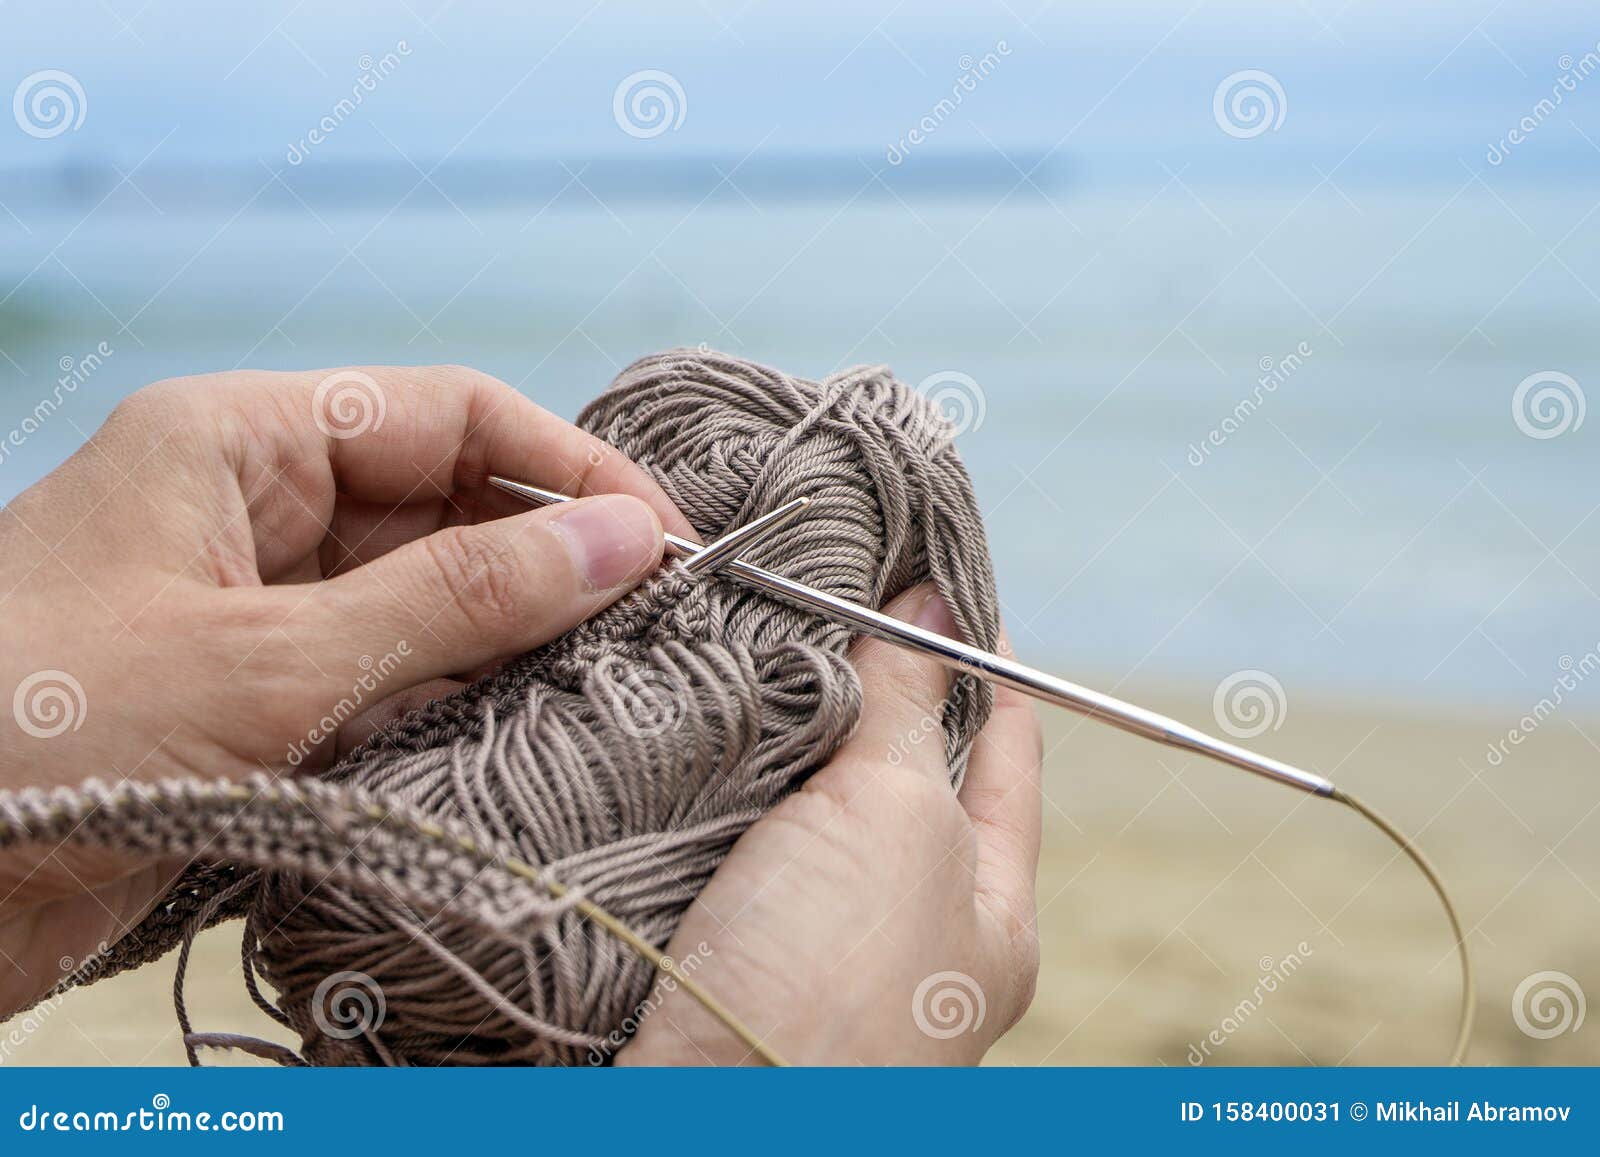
(961, 656)
(709, 558)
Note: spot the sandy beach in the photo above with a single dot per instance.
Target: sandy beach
(1170, 888)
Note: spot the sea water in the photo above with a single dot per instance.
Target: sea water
(1213, 430)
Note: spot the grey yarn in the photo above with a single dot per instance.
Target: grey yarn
(624, 759)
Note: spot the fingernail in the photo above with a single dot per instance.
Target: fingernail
(613, 539)
(933, 615)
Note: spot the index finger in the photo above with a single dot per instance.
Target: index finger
(444, 428)
(404, 436)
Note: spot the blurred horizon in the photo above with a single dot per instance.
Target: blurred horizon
(1109, 91)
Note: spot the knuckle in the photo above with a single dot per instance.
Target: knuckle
(852, 793)
(922, 800)
(824, 815)
(241, 624)
(816, 807)
(149, 402)
(454, 372)
(896, 673)
(450, 378)
(900, 688)
(927, 797)
(479, 577)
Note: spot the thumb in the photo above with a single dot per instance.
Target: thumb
(466, 596)
(902, 693)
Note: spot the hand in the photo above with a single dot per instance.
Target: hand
(232, 573)
(874, 914)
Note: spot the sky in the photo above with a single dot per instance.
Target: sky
(1106, 86)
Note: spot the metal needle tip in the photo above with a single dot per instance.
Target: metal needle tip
(528, 493)
(964, 657)
(701, 558)
(746, 536)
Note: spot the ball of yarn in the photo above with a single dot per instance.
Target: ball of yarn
(626, 757)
